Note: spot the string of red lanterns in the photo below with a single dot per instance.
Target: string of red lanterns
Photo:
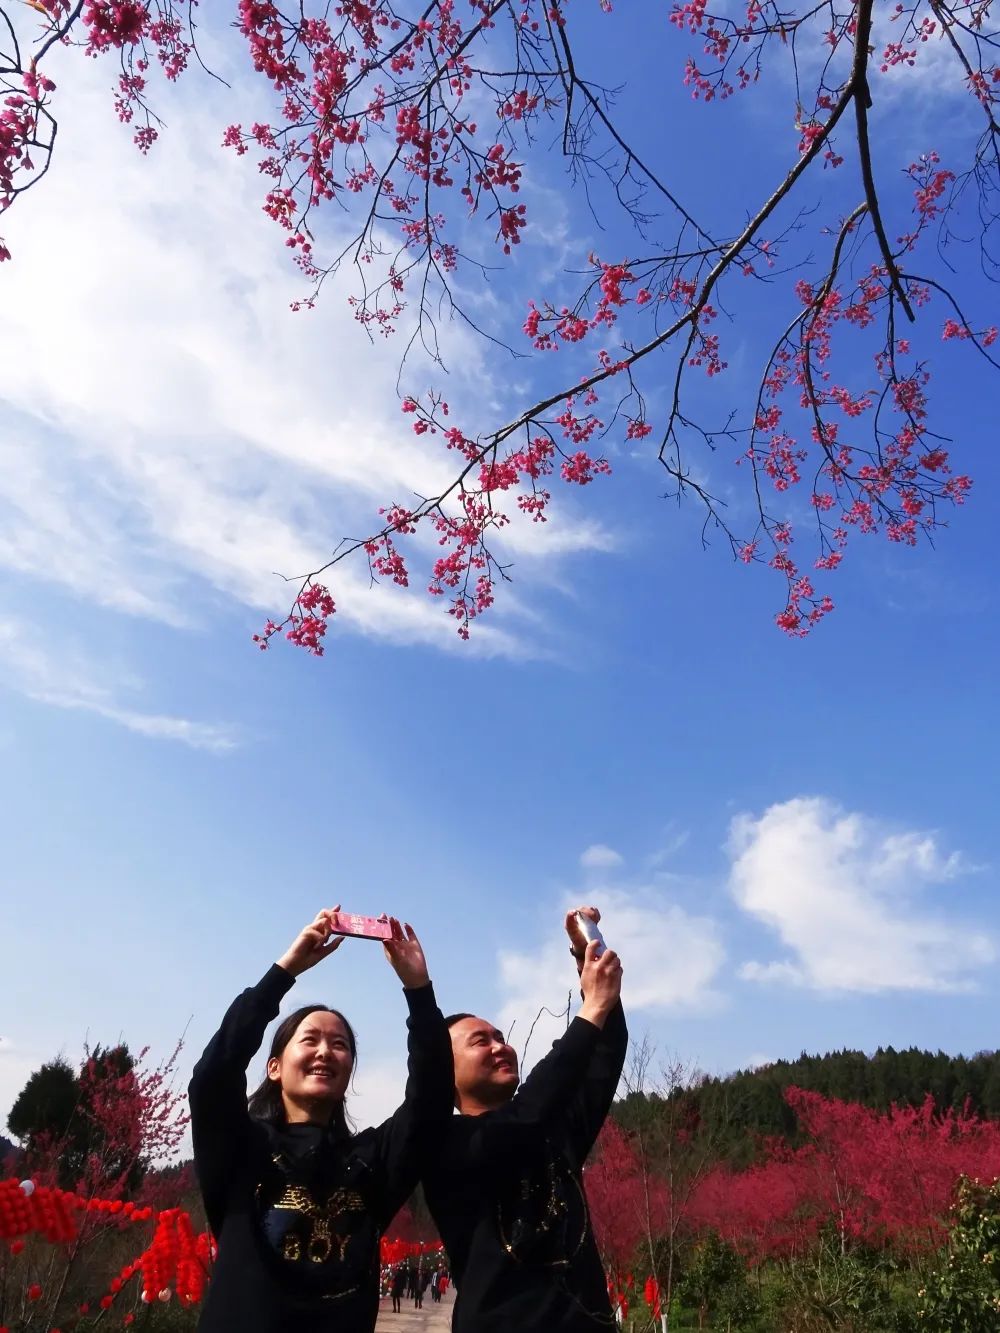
(397, 1251)
(177, 1259)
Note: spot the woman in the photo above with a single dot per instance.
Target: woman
(296, 1200)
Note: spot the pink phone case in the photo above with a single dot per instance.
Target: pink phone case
(365, 927)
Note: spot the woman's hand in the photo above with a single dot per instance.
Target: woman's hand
(312, 944)
(405, 956)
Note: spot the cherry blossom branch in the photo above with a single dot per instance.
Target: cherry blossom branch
(571, 83)
(964, 330)
(862, 101)
(59, 31)
(376, 99)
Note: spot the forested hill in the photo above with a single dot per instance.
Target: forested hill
(751, 1102)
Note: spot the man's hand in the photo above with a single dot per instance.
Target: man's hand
(405, 956)
(601, 979)
(311, 945)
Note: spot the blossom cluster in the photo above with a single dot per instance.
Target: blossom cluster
(402, 115)
(465, 574)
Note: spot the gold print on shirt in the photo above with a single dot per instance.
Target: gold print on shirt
(543, 1220)
(320, 1232)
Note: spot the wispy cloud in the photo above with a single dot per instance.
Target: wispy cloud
(67, 680)
(172, 432)
(671, 958)
(846, 898)
(600, 857)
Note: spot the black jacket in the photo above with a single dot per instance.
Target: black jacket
(298, 1210)
(506, 1191)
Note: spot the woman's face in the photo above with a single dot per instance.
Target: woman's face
(315, 1067)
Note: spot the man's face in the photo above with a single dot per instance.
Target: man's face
(485, 1065)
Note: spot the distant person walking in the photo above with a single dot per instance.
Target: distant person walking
(397, 1288)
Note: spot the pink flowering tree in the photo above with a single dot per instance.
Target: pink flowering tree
(100, 1151)
(425, 126)
(875, 1178)
(99, 1131)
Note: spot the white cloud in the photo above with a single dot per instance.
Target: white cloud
(785, 972)
(935, 76)
(670, 958)
(842, 893)
(903, 856)
(64, 679)
(599, 857)
(672, 840)
(172, 433)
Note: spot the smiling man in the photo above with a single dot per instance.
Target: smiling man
(505, 1184)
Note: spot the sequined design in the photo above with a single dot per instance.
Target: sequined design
(320, 1234)
(542, 1214)
(312, 1234)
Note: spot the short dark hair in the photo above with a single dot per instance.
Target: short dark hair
(452, 1019)
(266, 1102)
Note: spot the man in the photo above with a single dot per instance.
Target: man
(505, 1186)
(398, 1287)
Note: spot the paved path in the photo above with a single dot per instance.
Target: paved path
(431, 1319)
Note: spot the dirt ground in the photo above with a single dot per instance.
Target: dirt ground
(431, 1319)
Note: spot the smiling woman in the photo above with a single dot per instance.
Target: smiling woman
(312, 1058)
(295, 1199)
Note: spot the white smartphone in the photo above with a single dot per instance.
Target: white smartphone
(591, 931)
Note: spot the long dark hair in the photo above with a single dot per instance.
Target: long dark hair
(266, 1102)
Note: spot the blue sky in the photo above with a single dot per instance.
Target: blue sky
(794, 842)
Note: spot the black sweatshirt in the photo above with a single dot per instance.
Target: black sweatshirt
(505, 1189)
(298, 1210)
